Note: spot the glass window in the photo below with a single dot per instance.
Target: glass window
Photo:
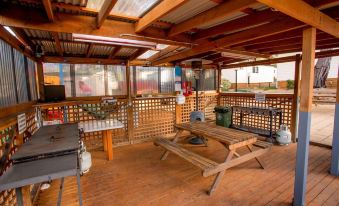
(206, 82)
(116, 77)
(58, 74)
(20, 76)
(167, 80)
(146, 80)
(89, 80)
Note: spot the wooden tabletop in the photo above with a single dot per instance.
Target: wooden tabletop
(222, 134)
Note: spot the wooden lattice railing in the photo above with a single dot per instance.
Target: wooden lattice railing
(282, 101)
(9, 134)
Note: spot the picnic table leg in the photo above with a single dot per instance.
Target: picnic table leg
(104, 139)
(109, 142)
(176, 138)
(256, 158)
(219, 176)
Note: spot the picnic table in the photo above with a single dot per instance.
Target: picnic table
(231, 139)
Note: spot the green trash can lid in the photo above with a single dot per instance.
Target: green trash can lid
(222, 109)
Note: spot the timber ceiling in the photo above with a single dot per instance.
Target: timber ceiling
(224, 31)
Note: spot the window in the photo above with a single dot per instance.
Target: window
(167, 80)
(207, 79)
(89, 80)
(20, 76)
(146, 80)
(255, 70)
(59, 74)
(116, 76)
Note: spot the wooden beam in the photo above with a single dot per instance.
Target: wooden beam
(90, 50)
(115, 51)
(137, 53)
(163, 52)
(306, 95)
(320, 54)
(106, 8)
(246, 54)
(215, 13)
(16, 16)
(81, 60)
(48, 9)
(23, 37)
(163, 8)
(58, 46)
(237, 25)
(15, 43)
(41, 80)
(269, 29)
(302, 11)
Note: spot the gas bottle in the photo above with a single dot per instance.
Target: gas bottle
(284, 135)
(85, 160)
(180, 98)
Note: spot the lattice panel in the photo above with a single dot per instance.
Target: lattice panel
(207, 102)
(282, 101)
(75, 112)
(153, 117)
(8, 197)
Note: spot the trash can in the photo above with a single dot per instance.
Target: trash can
(223, 116)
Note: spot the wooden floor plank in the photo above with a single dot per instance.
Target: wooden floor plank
(136, 176)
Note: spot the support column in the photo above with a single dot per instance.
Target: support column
(306, 95)
(41, 80)
(296, 96)
(130, 117)
(335, 140)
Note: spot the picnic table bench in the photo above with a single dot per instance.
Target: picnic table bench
(232, 140)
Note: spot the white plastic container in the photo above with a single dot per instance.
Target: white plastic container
(284, 135)
(180, 98)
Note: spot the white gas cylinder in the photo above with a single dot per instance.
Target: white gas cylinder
(284, 135)
(85, 161)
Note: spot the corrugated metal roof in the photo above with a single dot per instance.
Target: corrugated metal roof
(223, 20)
(126, 52)
(65, 36)
(73, 2)
(135, 8)
(74, 48)
(38, 34)
(188, 10)
(48, 46)
(101, 50)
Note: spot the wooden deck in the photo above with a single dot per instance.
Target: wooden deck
(136, 176)
(322, 124)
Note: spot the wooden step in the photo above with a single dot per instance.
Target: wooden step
(262, 144)
(197, 160)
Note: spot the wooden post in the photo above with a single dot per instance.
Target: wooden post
(335, 140)
(178, 113)
(130, 118)
(219, 84)
(41, 80)
(106, 80)
(308, 55)
(295, 103)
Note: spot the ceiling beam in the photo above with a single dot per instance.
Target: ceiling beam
(89, 50)
(243, 54)
(163, 8)
(115, 51)
(57, 43)
(269, 29)
(81, 60)
(212, 15)
(320, 54)
(162, 53)
(304, 12)
(106, 8)
(15, 43)
(16, 16)
(48, 9)
(237, 25)
(23, 37)
(137, 53)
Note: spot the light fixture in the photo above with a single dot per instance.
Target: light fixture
(113, 41)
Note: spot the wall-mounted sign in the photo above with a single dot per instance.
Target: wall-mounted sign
(260, 97)
(21, 123)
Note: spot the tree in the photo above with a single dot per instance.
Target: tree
(321, 70)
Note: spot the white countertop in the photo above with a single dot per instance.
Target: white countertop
(100, 125)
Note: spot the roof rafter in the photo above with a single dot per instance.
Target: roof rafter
(156, 13)
(244, 53)
(90, 50)
(48, 9)
(114, 52)
(58, 46)
(304, 12)
(137, 53)
(211, 15)
(106, 8)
